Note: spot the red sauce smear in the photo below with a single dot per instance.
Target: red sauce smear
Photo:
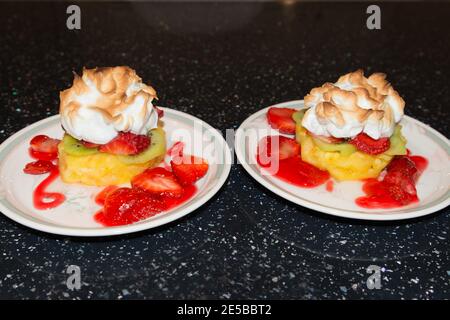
(393, 192)
(46, 200)
(397, 189)
(176, 149)
(123, 215)
(292, 169)
(329, 186)
(100, 197)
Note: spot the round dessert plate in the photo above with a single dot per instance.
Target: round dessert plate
(433, 186)
(75, 217)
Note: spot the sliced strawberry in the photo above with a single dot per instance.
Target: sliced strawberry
(158, 181)
(403, 165)
(159, 111)
(401, 195)
(188, 169)
(288, 148)
(101, 196)
(368, 145)
(38, 167)
(276, 148)
(42, 155)
(88, 144)
(126, 143)
(44, 144)
(402, 173)
(281, 119)
(127, 205)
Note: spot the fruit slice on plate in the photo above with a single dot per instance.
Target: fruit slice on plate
(38, 167)
(103, 168)
(44, 148)
(276, 148)
(368, 145)
(188, 169)
(281, 119)
(76, 148)
(42, 143)
(127, 205)
(126, 143)
(156, 148)
(158, 181)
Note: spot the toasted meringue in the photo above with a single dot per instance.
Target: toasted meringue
(352, 105)
(104, 101)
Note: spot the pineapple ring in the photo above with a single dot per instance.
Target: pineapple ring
(356, 166)
(103, 169)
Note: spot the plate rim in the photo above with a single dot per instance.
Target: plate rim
(131, 228)
(239, 147)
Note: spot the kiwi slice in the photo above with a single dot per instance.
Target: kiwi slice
(344, 148)
(74, 147)
(156, 148)
(298, 116)
(398, 143)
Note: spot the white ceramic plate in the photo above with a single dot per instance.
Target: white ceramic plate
(433, 186)
(75, 216)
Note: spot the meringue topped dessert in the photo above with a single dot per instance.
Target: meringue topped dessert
(113, 137)
(348, 130)
(351, 128)
(112, 131)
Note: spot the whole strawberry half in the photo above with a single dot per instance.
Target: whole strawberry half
(368, 145)
(188, 169)
(126, 143)
(281, 119)
(158, 181)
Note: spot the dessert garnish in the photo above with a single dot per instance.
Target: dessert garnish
(113, 136)
(349, 130)
(112, 132)
(153, 191)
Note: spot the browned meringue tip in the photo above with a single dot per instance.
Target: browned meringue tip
(112, 84)
(358, 98)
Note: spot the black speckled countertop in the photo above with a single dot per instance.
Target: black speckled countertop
(221, 63)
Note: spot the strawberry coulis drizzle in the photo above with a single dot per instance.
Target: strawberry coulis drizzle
(377, 194)
(169, 203)
(295, 171)
(41, 197)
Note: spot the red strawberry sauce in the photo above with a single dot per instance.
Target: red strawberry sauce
(46, 200)
(396, 191)
(124, 214)
(42, 199)
(385, 194)
(293, 170)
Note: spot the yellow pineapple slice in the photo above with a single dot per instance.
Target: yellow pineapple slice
(356, 166)
(102, 169)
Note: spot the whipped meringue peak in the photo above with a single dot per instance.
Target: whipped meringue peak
(104, 101)
(352, 105)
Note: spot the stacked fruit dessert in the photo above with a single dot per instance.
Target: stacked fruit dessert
(349, 130)
(351, 127)
(111, 128)
(112, 137)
